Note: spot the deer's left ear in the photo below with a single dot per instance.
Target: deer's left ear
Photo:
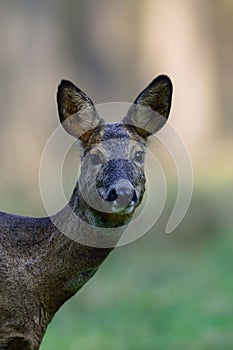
(151, 108)
(76, 111)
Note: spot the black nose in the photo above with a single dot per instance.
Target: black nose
(122, 195)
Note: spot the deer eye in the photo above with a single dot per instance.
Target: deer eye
(139, 157)
(96, 159)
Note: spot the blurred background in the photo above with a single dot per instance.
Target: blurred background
(163, 291)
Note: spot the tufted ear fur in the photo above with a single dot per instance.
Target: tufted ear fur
(151, 108)
(76, 111)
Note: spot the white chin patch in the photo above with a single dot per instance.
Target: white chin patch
(127, 210)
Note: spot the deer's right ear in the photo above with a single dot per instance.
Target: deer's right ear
(76, 111)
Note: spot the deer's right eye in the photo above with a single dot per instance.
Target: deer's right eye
(96, 159)
(139, 156)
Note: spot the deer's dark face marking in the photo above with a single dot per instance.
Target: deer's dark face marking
(112, 169)
(121, 180)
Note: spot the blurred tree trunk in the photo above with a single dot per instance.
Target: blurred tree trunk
(102, 40)
(178, 42)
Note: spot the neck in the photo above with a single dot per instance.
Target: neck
(83, 240)
(56, 256)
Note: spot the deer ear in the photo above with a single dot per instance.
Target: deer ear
(151, 108)
(76, 111)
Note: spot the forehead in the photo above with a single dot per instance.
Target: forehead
(115, 131)
(112, 136)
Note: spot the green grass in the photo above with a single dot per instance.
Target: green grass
(157, 293)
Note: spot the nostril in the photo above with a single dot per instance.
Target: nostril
(124, 196)
(135, 197)
(112, 196)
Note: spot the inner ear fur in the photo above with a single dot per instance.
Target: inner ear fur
(151, 108)
(76, 111)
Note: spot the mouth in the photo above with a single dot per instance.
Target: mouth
(126, 210)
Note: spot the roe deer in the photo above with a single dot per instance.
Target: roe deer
(42, 262)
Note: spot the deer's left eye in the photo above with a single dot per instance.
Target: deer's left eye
(96, 159)
(139, 157)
